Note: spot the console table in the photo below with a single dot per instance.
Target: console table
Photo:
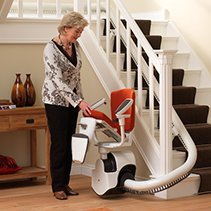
(31, 119)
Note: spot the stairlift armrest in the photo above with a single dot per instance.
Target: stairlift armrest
(122, 117)
(123, 107)
(98, 103)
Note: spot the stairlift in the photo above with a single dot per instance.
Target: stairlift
(115, 169)
(116, 162)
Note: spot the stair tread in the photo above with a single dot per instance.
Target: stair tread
(192, 113)
(198, 125)
(198, 147)
(188, 106)
(204, 170)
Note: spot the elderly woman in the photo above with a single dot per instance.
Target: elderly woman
(62, 97)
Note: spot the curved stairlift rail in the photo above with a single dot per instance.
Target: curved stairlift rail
(172, 178)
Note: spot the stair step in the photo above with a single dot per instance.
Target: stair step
(144, 25)
(183, 95)
(93, 26)
(203, 96)
(181, 60)
(159, 27)
(192, 77)
(123, 76)
(205, 174)
(103, 42)
(203, 155)
(200, 133)
(192, 113)
(178, 75)
(187, 93)
(169, 43)
(113, 59)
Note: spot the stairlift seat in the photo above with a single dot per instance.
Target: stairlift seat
(117, 97)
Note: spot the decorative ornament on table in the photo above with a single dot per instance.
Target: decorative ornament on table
(18, 95)
(8, 165)
(30, 91)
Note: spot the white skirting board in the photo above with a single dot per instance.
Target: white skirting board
(187, 187)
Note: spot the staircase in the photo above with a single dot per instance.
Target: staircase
(193, 116)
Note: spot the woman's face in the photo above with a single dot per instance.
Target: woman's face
(73, 33)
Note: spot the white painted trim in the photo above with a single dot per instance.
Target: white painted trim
(30, 31)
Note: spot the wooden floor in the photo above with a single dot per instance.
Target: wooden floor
(36, 195)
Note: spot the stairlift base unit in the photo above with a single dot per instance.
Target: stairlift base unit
(109, 174)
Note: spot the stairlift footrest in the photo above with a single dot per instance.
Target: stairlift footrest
(79, 147)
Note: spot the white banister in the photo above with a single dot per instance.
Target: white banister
(118, 68)
(58, 8)
(139, 78)
(98, 21)
(128, 45)
(165, 79)
(20, 8)
(151, 97)
(39, 8)
(79, 6)
(108, 29)
(89, 15)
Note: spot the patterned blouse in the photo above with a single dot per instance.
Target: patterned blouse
(62, 79)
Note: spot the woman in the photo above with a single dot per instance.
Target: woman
(62, 97)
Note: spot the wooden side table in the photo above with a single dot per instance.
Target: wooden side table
(27, 118)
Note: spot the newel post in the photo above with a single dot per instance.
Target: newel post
(166, 60)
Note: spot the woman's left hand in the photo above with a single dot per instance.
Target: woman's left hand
(85, 108)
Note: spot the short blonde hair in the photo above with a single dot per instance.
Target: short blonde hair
(72, 19)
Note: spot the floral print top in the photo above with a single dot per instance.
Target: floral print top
(62, 84)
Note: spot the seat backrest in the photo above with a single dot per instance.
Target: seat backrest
(117, 97)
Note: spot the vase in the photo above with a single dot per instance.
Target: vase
(30, 91)
(18, 95)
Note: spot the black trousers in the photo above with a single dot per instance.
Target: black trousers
(62, 125)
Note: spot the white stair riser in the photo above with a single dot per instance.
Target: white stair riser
(192, 78)
(169, 43)
(203, 96)
(181, 60)
(123, 76)
(113, 60)
(187, 187)
(93, 26)
(145, 116)
(158, 27)
(103, 43)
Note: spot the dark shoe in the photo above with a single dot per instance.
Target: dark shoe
(70, 192)
(61, 195)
